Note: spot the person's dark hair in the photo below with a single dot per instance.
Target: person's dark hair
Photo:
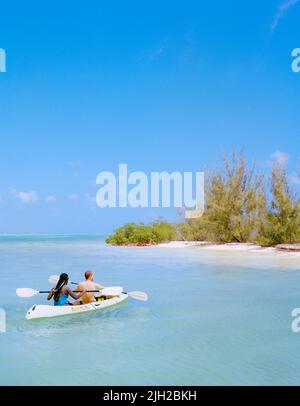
(87, 274)
(63, 280)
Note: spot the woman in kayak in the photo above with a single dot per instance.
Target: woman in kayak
(61, 292)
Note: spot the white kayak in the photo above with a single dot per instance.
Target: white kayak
(45, 311)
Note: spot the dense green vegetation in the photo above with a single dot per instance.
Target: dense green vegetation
(281, 220)
(141, 234)
(241, 206)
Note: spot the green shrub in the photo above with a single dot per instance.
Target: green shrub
(235, 201)
(281, 223)
(141, 234)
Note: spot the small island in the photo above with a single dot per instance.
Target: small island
(242, 207)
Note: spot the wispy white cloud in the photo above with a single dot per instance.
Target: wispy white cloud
(28, 197)
(295, 179)
(25, 197)
(189, 50)
(155, 53)
(73, 196)
(50, 199)
(280, 157)
(282, 9)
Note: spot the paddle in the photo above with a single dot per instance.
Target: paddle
(28, 292)
(137, 295)
(55, 278)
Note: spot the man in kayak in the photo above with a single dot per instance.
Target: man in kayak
(89, 284)
(61, 292)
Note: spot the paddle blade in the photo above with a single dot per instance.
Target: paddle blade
(53, 279)
(112, 291)
(26, 292)
(138, 295)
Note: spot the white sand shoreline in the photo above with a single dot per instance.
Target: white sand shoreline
(229, 247)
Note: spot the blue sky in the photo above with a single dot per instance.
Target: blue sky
(159, 85)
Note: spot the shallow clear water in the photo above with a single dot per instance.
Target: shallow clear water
(212, 318)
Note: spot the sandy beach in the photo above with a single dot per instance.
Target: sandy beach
(230, 247)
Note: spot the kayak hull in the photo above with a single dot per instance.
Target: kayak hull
(45, 311)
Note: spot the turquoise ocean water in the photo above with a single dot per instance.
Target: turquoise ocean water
(213, 318)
